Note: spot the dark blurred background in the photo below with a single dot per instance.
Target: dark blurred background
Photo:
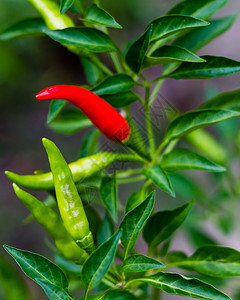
(28, 65)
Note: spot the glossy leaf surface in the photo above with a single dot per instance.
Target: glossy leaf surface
(48, 275)
(215, 66)
(99, 16)
(141, 263)
(164, 223)
(134, 221)
(88, 38)
(160, 178)
(183, 159)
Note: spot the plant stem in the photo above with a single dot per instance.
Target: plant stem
(129, 180)
(116, 62)
(155, 91)
(126, 173)
(99, 64)
(148, 121)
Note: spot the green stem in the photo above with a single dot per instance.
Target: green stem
(129, 180)
(148, 121)
(116, 62)
(156, 91)
(99, 64)
(126, 173)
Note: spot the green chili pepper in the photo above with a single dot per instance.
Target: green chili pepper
(69, 202)
(50, 12)
(81, 169)
(53, 224)
(206, 143)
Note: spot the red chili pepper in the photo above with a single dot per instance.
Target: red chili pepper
(106, 118)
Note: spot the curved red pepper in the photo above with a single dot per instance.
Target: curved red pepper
(106, 118)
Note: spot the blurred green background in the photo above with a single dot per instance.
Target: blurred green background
(28, 65)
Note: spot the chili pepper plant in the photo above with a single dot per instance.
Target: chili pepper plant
(94, 229)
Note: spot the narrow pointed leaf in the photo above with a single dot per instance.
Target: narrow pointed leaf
(160, 178)
(184, 159)
(228, 100)
(136, 53)
(121, 99)
(168, 54)
(202, 9)
(108, 192)
(199, 37)
(114, 84)
(88, 38)
(134, 221)
(141, 263)
(31, 26)
(164, 223)
(166, 25)
(215, 66)
(99, 16)
(97, 265)
(65, 5)
(137, 198)
(48, 275)
(106, 230)
(173, 283)
(193, 120)
(55, 108)
(214, 261)
(70, 121)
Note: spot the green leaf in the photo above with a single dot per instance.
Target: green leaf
(48, 275)
(70, 121)
(164, 223)
(167, 54)
(228, 100)
(141, 263)
(215, 66)
(119, 295)
(160, 178)
(65, 5)
(133, 223)
(117, 83)
(97, 265)
(55, 108)
(213, 261)
(97, 15)
(166, 25)
(199, 37)
(193, 120)
(202, 9)
(121, 99)
(90, 143)
(88, 38)
(31, 26)
(184, 159)
(108, 193)
(136, 52)
(137, 198)
(173, 283)
(106, 230)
